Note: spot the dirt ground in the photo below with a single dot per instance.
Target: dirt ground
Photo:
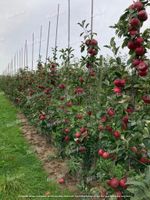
(54, 166)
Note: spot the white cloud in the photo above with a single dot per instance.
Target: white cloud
(17, 14)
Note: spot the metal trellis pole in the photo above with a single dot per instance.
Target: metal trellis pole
(8, 69)
(56, 36)
(26, 53)
(92, 16)
(32, 51)
(21, 57)
(24, 56)
(40, 43)
(15, 63)
(48, 36)
(68, 32)
(11, 67)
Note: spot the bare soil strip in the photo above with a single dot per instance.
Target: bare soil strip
(54, 166)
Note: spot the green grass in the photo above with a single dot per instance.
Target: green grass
(21, 172)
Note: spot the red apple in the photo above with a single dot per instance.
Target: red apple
(136, 62)
(79, 116)
(61, 86)
(133, 32)
(69, 104)
(83, 129)
(61, 181)
(138, 5)
(78, 135)
(106, 155)
(135, 22)
(117, 90)
(111, 112)
(143, 73)
(146, 99)
(125, 119)
(67, 130)
(67, 138)
(130, 110)
(94, 52)
(119, 82)
(138, 41)
(145, 160)
(109, 128)
(100, 152)
(104, 118)
(81, 79)
(114, 183)
(100, 128)
(89, 113)
(88, 42)
(134, 149)
(142, 66)
(119, 195)
(42, 117)
(92, 73)
(131, 45)
(116, 134)
(82, 149)
(93, 42)
(122, 183)
(62, 98)
(79, 90)
(140, 51)
(142, 15)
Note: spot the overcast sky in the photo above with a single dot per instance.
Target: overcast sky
(19, 19)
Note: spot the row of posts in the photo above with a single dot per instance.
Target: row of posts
(20, 59)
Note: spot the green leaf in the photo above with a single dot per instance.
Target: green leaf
(118, 60)
(136, 183)
(107, 46)
(112, 42)
(125, 42)
(82, 48)
(87, 25)
(146, 142)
